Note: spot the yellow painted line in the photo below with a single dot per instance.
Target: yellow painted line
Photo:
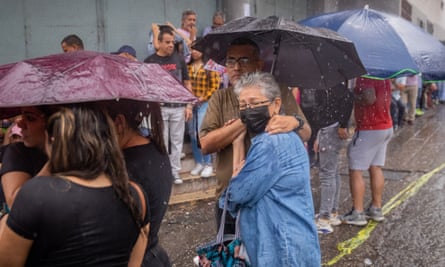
(346, 247)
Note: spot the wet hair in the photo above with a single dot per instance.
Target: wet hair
(246, 41)
(73, 39)
(204, 56)
(264, 81)
(134, 113)
(187, 13)
(49, 110)
(84, 144)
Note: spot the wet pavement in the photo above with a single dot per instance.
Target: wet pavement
(411, 235)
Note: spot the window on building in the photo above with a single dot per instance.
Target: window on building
(420, 23)
(406, 10)
(429, 27)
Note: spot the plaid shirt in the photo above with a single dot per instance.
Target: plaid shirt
(204, 82)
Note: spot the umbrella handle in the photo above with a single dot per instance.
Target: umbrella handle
(276, 49)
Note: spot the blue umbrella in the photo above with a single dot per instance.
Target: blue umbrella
(388, 45)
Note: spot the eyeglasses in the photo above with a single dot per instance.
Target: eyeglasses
(253, 105)
(242, 61)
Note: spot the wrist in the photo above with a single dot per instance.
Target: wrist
(300, 123)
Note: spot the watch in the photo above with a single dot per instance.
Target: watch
(300, 123)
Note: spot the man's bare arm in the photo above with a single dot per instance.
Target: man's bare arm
(219, 138)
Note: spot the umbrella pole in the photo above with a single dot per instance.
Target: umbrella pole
(276, 49)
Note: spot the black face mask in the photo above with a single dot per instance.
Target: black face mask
(255, 119)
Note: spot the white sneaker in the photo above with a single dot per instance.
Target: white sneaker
(207, 171)
(177, 179)
(198, 168)
(323, 226)
(183, 155)
(334, 219)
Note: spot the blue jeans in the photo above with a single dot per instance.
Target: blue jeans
(198, 115)
(330, 145)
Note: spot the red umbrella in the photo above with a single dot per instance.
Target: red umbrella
(86, 76)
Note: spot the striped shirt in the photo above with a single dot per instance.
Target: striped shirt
(204, 82)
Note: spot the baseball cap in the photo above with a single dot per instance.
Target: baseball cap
(125, 49)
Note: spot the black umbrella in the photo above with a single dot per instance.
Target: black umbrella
(296, 55)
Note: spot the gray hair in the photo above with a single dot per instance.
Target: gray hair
(219, 14)
(264, 81)
(187, 13)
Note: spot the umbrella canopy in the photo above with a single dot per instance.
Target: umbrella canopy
(86, 76)
(388, 45)
(296, 55)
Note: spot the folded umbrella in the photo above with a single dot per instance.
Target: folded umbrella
(296, 55)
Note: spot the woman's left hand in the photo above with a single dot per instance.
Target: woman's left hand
(237, 168)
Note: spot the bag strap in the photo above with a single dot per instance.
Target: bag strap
(141, 197)
(220, 235)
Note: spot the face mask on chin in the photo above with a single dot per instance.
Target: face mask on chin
(255, 119)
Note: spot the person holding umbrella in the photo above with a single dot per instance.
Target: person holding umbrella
(331, 111)
(221, 123)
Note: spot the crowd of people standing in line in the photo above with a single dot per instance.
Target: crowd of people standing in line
(256, 128)
(114, 158)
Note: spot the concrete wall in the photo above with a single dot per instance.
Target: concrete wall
(324, 6)
(32, 28)
(432, 11)
(294, 9)
(424, 11)
(35, 28)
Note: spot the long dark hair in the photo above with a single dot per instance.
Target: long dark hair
(84, 144)
(134, 112)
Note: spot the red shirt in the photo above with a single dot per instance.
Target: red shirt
(376, 116)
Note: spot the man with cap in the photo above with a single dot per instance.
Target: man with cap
(126, 51)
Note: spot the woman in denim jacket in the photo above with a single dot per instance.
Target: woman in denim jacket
(271, 186)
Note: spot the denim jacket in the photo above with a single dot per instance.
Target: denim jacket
(274, 195)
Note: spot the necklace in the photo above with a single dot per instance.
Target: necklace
(196, 68)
